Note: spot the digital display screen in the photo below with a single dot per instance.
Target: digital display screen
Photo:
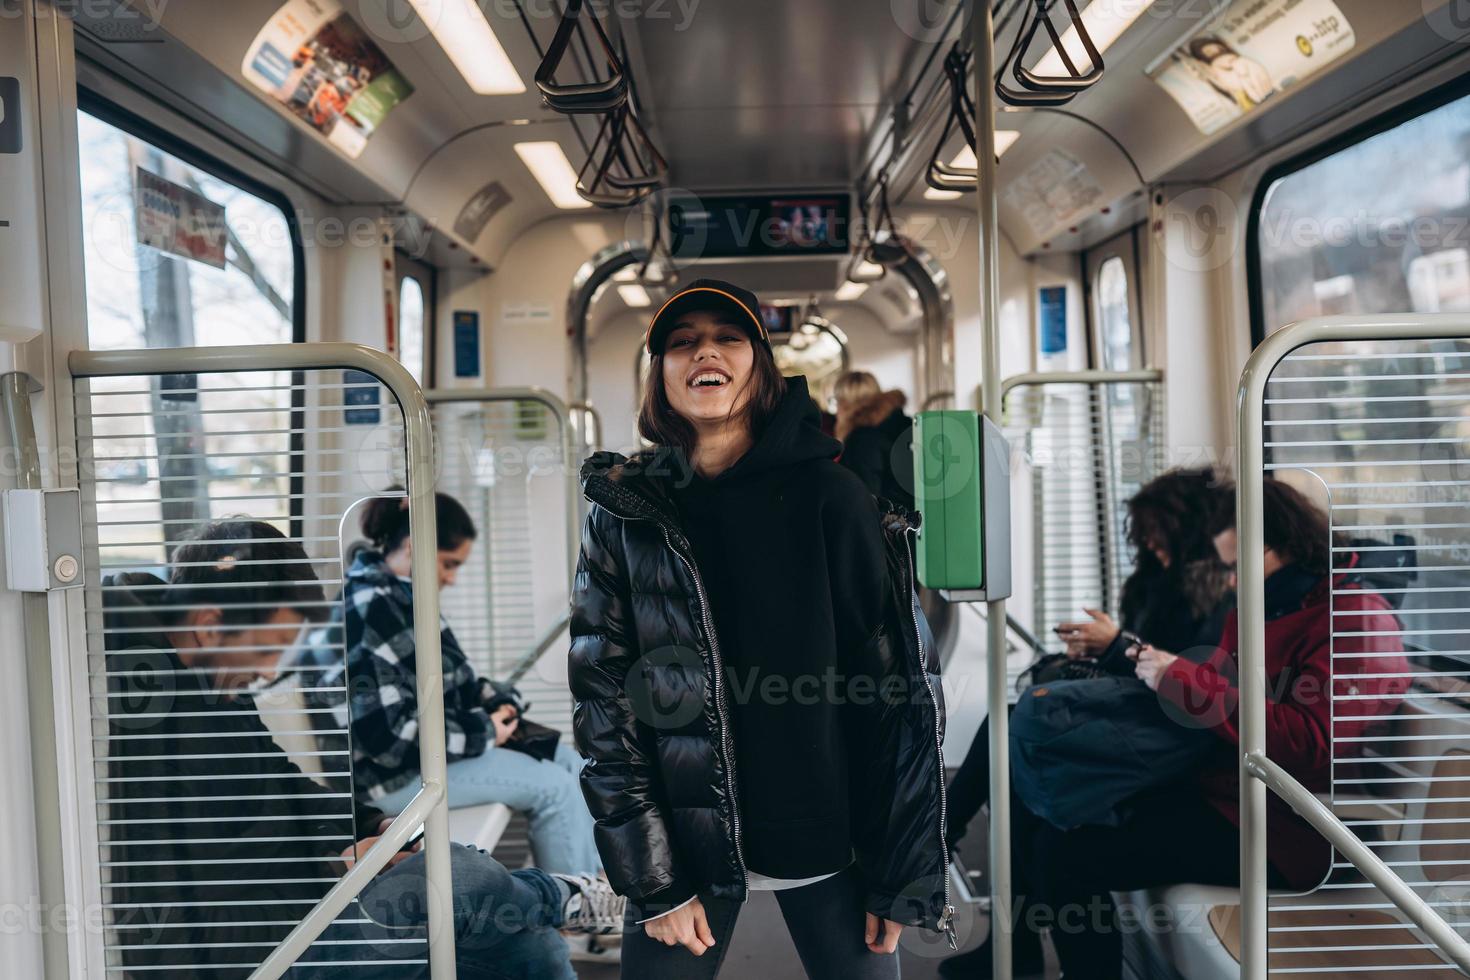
(732, 227)
(778, 319)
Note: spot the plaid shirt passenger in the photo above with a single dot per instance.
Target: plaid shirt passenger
(377, 615)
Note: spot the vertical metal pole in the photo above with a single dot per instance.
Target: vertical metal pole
(982, 42)
(1251, 598)
(16, 390)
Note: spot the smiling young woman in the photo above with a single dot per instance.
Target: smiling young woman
(733, 616)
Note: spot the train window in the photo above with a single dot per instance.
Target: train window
(411, 327)
(236, 286)
(165, 268)
(1382, 226)
(1115, 322)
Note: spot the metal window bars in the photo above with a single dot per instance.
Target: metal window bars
(167, 440)
(1031, 89)
(1090, 440)
(1373, 410)
(510, 456)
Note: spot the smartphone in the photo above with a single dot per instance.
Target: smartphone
(409, 844)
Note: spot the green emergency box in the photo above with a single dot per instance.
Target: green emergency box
(962, 489)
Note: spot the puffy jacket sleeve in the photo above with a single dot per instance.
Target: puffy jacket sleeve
(384, 701)
(620, 779)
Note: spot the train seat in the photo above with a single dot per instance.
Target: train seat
(283, 709)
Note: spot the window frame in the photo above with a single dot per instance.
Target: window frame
(109, 112)
(1421, 105)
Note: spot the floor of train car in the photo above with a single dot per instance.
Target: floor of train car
(761, 947)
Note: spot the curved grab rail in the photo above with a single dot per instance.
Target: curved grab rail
(1326, 823)
(430, 806)
(583, 97)
(1079, 377)
(1258, 774)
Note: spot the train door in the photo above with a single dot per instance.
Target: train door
(1115, 308)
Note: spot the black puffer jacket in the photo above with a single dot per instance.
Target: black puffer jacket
(653, 719)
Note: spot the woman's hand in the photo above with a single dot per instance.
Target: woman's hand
(1091, 638)
(352, 854)
(685, 926)
(1152, 664)
(881, 935)
(505, 721)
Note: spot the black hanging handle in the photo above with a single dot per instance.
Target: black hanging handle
(1032, 89)
(583, 97)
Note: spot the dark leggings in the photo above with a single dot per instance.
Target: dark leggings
(825, 921)
(969, 787)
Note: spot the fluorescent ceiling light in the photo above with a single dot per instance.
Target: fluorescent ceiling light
(634, 295)
(463, 32)
(1004, 140)
(868, 270)
(548, 163)
(935, 194)
(628, 273)
(850, 291)
(1105, 20)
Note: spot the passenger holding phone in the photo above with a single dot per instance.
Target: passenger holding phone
(1177, 596)
(493, 758)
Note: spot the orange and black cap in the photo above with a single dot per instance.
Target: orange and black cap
(708, 294)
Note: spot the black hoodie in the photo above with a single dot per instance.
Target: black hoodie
(789, 547)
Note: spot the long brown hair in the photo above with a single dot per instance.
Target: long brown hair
(1294, 527)
(662, 426)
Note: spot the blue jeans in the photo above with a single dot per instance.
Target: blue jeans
(548, 793)
(505, 925)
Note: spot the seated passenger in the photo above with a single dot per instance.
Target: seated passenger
(1190, 832)
(877, 437)
(1176, 598)
(219, 843)
(375, 619)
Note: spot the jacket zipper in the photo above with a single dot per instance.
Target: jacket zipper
(946, 917)
(719, 682)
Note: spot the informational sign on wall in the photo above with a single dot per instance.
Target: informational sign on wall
(175, 219)
(486, 203)
(9, 115)
(1249, 53)
(1052, 320)
(315, 60)
(466, 344)
(1056, 191)
(361, 395)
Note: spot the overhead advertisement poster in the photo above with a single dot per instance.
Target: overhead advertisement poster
(315, 60)
(1249, 53)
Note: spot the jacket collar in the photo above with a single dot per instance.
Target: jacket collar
(635, 487)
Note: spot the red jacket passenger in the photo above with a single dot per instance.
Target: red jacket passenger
(1301, 652)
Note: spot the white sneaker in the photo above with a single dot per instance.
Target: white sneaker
(593, 906)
